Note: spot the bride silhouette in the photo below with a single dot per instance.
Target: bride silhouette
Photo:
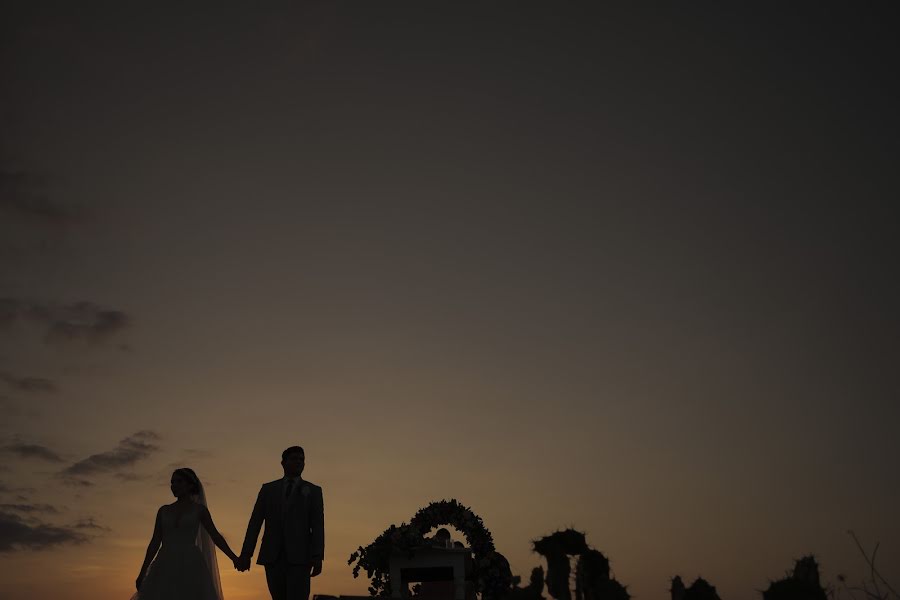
(185, 567)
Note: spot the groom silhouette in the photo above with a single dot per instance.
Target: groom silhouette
(293, 543)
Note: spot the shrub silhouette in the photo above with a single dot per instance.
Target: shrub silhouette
(534, 589)
(699, 590)
(592, 578)
(557, 548)
(801, 584)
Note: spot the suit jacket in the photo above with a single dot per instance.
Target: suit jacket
(294, 526)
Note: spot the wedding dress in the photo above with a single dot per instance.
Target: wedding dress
(185, 567)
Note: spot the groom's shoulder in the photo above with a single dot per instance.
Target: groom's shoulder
(312, 485)
(273, 483)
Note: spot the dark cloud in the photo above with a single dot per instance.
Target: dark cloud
(87, 322)
(76, 482)
(18, 534)
(129, 451)
(30, 508)
(65, 322)
(28, 384)
(19, 491)
(32, 451)
(90, 524)
(22, 197)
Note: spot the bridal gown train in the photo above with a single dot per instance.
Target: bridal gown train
(179, 571)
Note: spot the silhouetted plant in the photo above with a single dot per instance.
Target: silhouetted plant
(556, 548)
(801, 584)
(534, 589)
(699, 590)
(491, 569)
(876, 587)
(592, 579)
(677, 591)
(591, 566)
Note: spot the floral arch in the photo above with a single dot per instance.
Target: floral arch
(491, 574)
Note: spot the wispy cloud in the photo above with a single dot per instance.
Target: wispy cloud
(90, 524)
(30, 508)
(127, 453)
(18, 534)
(23, 197)
(84, 320)
(28, 384)
(19, 492)
(37, 451)
(77, 482)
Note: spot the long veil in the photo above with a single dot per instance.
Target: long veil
(206, 545)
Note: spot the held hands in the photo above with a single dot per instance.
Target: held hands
(242, 563)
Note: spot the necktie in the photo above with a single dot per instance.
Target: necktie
(290, 488)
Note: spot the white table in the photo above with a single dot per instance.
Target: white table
(427, 557)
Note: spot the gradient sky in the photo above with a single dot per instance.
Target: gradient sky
(624, 269)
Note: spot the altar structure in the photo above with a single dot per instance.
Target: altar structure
(447, 570)
(430, 564)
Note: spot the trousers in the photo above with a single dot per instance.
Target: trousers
(287, 581)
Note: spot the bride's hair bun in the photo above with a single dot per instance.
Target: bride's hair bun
(191, 477)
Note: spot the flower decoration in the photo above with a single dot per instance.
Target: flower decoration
(491, 574)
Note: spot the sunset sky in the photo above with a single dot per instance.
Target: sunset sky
(625, 270)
